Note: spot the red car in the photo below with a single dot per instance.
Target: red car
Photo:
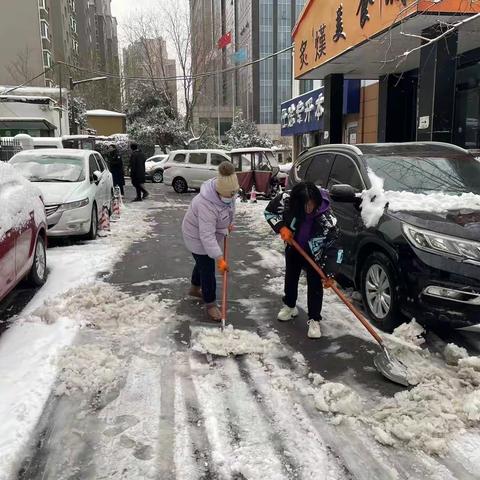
(23, 227)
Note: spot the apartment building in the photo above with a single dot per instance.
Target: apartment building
(148, 57)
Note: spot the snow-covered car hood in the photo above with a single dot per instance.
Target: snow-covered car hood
(458, 223)
(55, 193)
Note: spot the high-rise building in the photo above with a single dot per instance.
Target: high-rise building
(148, 57)
(26, 42)
(259, 28)
(34, 34)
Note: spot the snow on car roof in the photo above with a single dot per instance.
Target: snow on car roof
(251, 150)
(19, 198)
(201, 150)
(56, 152)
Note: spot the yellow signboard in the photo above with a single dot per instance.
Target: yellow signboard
(328, 28)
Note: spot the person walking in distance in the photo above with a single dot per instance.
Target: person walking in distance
(115, 164)
(304, 214)
(137, 172)
(208, 220)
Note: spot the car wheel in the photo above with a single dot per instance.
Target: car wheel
(157, 177)
(92, 234)
(379, 291)
(180, 185)
(38, 273)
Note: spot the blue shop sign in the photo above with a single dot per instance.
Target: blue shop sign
(303, 114)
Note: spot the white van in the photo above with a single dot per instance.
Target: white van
(186, 169)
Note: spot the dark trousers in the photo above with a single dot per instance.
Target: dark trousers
(203, 275)
(140, 189)
(294, 264)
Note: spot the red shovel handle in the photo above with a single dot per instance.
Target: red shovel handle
(340, 294)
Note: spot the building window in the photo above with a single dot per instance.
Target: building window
(47, 59)
(74, 45)
(42, 4)
(73, 24)
(49, 83)
(72, 5)
(44, 29)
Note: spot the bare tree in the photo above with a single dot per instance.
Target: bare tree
(149, 34)
(20, 69)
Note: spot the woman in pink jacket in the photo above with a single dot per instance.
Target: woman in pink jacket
(207, 221)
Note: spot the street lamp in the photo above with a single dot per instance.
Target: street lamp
(73, 84)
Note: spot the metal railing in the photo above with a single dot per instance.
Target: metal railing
(8, 148)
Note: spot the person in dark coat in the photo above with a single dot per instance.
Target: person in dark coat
(115, 164)
(305, 215)
(137, 172)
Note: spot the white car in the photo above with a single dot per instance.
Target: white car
(154, 168)
(186, 169)
(75, 185)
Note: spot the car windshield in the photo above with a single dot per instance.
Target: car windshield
(50, 168)
(452, 173)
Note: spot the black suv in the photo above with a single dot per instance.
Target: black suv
(421, 264)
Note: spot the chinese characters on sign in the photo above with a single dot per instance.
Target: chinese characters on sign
(362, 9)
(303, 113)
(339, 33)
(390, 2)
(303, 54)
(320, 42)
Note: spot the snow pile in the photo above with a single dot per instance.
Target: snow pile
(230, 341)
(407, 336)
(91, 369)
(105, 307)
(337, 398)
(18, 199)
(453, 353)
(373, 201)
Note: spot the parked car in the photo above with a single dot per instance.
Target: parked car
(154, 168)
(186, 169)
(414, 261)
(75, 185)
(23, 227)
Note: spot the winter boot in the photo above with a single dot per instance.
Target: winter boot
(314, 329)
(214, 312)
(287, 313)
(195, 291)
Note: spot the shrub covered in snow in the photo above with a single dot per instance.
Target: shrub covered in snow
(244, 134)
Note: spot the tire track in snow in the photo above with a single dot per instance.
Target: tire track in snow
(190, 425)
(239, 436)
(312, 456)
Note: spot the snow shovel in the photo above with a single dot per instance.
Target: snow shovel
(389, 366)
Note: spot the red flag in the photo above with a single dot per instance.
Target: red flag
(225, 40)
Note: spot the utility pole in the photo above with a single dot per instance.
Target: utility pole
(73, 84)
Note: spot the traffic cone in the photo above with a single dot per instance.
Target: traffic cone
(117, 194)
(104, 226)
(253, 195)
(116, 208)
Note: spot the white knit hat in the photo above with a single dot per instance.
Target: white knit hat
(227, 181)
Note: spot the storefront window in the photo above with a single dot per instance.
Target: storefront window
(467, 107)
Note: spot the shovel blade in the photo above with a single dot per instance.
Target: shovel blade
(391, 368)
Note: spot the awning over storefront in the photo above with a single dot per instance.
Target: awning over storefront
(367, 39)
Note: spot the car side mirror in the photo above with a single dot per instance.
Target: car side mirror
(343, 193)
(97, 176)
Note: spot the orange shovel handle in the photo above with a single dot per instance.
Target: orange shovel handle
(339, 293)
(225, 283)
